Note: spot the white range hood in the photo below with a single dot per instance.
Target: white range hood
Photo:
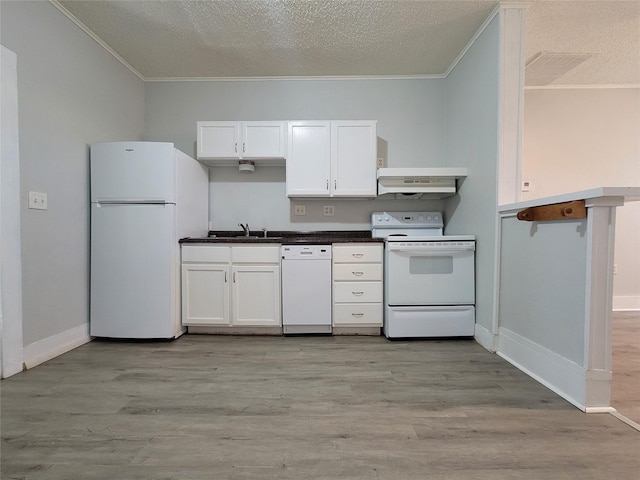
(431, 182)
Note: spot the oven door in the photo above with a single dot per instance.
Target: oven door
(430, 273)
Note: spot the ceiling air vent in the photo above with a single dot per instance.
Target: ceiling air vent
(545, 67)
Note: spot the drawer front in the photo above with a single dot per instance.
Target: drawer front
(255, 254)
(206, 254)
(357, 292)
(357, 314)
(357, 253)
(357, 271)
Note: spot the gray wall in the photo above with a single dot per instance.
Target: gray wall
(472, 141)
(545, 260)
(410, 115)
(71, 93)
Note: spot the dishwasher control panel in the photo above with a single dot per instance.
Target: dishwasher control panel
(310, 252)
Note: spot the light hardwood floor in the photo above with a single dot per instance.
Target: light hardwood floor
(625, 385)
(213, 407)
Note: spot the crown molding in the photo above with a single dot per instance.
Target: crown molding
(97, 39)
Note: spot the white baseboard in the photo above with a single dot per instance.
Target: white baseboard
(48, 348)
(626, 303)
(486, 338)
(626, 420)
(559, 374)
(600, 410)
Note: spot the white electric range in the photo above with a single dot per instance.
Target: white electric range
(429, 278)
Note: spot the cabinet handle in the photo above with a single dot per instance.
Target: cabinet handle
(358, 274)
(225, 277)
(358, 294)
(235, 147)
(243, 147)
(335, 184)
(327, 184)
(234, 277)
(358, 255)
(357, 315)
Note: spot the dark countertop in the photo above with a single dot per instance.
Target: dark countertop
(286, 237)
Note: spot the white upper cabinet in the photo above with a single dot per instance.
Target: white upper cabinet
(353, 159)
(264, 140)
(218, 140)
(309, 159)
(224, 143)
(331, 159)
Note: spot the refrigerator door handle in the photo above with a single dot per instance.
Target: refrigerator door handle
(131, 202)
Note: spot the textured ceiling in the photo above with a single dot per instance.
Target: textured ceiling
(281, 38)
(610, 30)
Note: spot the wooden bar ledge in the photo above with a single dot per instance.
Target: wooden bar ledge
(554, 211)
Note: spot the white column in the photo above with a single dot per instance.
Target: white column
(512, 51)
(11, 345)
(598, 301)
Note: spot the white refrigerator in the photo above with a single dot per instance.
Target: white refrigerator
(145, 196)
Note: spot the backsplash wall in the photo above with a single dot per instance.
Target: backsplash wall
(260, 199)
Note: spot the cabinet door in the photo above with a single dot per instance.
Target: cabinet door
(263, 140)
(218, 140)
(308, 159)
(353, 158)
(205, 294)
(256, 295)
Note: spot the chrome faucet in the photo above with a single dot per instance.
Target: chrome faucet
(245, 227)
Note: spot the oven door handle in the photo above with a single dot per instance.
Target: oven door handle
(431, 251)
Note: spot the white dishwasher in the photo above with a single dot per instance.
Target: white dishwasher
(306, 289)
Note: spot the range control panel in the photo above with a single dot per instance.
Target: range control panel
(406, 220)
(431, 245)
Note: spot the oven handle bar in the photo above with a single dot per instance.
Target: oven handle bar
(431, 250)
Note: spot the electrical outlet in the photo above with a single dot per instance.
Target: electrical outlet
(38, 200)
(527, 186)
(328, 211)
(615, 268)
(380, 162)
(299, 210)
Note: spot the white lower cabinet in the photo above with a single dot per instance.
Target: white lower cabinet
(205, 294)
(357, 285)
(256, 295)
(231, 285)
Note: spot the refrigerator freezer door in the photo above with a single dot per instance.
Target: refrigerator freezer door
(133, 271)
(133, 172)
